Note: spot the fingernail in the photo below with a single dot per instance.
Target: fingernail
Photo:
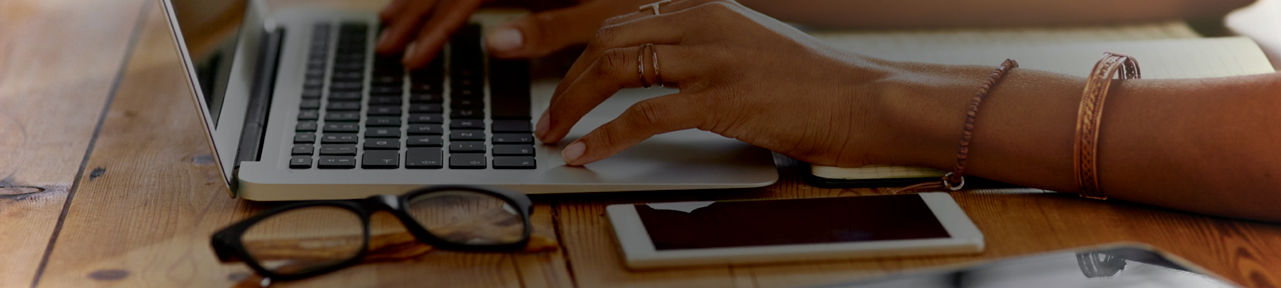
(409, 52)
(544, 123)
(572, 152)
(505, 39)
(382, 38)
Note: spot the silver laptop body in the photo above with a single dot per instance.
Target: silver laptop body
(252, 112)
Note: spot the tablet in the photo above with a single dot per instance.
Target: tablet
(758, 231)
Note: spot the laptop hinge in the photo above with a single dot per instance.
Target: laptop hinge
(264, 84)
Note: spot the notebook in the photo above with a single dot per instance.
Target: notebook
(1168, 50)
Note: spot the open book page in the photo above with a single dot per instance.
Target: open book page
(1168, 57)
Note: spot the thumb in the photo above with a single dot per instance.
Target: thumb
(545, 32)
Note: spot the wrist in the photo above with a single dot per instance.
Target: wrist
(922, 108)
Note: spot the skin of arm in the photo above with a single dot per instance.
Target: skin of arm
(1202, 145)
(979, 13)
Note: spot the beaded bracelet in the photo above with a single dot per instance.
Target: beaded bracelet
(955, 180)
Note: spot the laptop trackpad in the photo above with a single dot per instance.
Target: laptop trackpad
(681, 154)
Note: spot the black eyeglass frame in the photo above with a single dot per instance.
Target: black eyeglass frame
(228, 246)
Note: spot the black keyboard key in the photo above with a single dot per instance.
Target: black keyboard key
(346, 86)
(513, 138)
(457, 135)
(309, 104)
(425, 141)
(300, 162)
(313, 84)
(513, 150)
(384, 111)
(465, 103)
(385, 90)
(343, 106)
(426, 86)
(388, 79)
(467, 114)
(384, 100)
(350, 58)
(345, 96)
(382, 132)
(338, 150)
(305, 126)
(382, 144)
(303, 149)
(466, 92)
(348, 76)
(424, 158)
(338, 138)
(308, 114)
(514, 162)
(342, 116)
(425, 97)
(305, 138)
(426, 118)
(383, 121)
(425, 108)
(467, 124)
(311, 94)
(340, 127)
(467, 147)
(467, 161)
(509, 88)
(380, 160)
(336, 162)
(425, 129)
(511, 125)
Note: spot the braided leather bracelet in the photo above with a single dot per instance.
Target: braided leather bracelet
(1089, 116)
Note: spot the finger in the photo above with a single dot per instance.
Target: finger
(392, 10)
(663, 8)
(616, 69)
(638, 27)
(444, 21)
(545, 32)
(639, 122)
(403, 25)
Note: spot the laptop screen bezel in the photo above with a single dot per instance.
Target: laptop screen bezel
(225, 133)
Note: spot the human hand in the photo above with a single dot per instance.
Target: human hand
(741, 74)
(428, 23)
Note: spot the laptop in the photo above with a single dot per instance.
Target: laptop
(299, 107)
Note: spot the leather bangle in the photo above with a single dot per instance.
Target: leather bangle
(1089, 116)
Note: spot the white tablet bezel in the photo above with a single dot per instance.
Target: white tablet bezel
(639, 251)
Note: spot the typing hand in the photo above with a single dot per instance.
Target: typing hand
(741, 74)
(427, 24)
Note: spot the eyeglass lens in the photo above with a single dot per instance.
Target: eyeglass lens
(306, 239)
(466, 217)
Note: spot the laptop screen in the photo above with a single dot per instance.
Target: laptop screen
(210, 30)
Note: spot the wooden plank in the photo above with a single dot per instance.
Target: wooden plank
(58, 62)
(1242, 251)
(146, 220)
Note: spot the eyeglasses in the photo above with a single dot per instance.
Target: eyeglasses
(305, 239)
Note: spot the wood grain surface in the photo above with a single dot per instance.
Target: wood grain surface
(149, 196)
(58, 62)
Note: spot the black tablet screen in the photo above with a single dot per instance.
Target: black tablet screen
(792, 221)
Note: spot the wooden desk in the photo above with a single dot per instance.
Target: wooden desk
(109, 182)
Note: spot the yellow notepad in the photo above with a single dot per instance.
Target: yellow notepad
(1166, 51)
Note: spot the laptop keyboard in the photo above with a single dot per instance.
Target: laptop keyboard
(385, 117)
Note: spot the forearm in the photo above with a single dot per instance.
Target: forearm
(970, 13)
(1203, 145)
